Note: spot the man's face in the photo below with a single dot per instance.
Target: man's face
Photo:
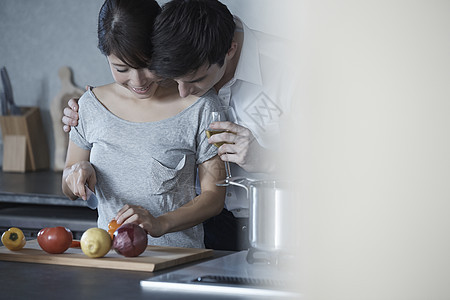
(201, 81)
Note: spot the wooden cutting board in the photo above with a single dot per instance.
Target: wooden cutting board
(153, 259)
(61, 139)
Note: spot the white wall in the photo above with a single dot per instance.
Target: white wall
(39, 37)
(373, 152)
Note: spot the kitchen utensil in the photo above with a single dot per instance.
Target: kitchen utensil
(4, 103)
(235, 179)
(269, 230)
(92, 201)
(154, 257)
(61, 139)
(14, 110)
(29, 125)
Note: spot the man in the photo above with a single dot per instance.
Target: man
(201, 46)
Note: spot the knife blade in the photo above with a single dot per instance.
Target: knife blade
(92, 201)
(14, 110)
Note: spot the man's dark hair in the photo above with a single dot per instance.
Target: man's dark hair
(125, 28)
(190, 33)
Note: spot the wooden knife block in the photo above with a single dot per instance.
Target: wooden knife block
(25, 145)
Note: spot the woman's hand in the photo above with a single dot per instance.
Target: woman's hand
(70, 117)
(142, 217)
(206, 205)
(75, 178)
(241, 147)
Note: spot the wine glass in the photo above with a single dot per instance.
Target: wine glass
(222, 114)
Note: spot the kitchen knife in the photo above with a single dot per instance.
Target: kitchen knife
(4, 104)
(14, 110)
(92, 201)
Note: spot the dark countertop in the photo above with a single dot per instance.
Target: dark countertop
(38, 183)
(42, 281)
(40, 187)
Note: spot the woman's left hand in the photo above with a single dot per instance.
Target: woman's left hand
(142, 217)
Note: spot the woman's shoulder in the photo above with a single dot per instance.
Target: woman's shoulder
(86, 97)
(210, 98)
(104, 91)
(97, 95)
(211, 94)
(90, 99)
(209, 101)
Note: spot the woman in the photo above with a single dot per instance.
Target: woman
(154, 187)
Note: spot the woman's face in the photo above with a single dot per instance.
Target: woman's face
(140, 82)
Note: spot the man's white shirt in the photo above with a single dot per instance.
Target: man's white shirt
(261, 92)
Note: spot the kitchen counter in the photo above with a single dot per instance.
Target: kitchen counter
(40, 187)
(41, 281)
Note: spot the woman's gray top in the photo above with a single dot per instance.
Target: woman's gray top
(151, 164)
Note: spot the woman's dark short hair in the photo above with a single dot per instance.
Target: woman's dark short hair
(190, 33)
(125, 28)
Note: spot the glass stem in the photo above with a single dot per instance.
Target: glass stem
(227, 169)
